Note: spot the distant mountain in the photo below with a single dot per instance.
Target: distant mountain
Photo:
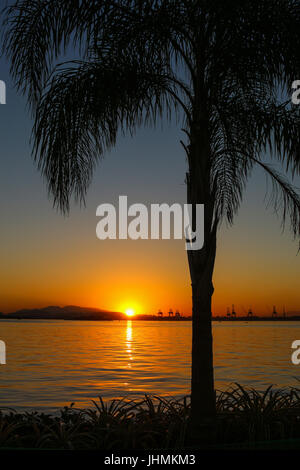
(69, 312)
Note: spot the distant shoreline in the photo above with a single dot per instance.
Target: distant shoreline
(76, 313)
(149, 318)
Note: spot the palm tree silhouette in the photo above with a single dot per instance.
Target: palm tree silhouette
(225, 67)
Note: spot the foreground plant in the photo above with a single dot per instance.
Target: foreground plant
(243, 416)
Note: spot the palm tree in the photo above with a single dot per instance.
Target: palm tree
(225, 68)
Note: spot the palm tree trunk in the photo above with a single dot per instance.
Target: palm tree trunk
(202, 390)
(201, 264)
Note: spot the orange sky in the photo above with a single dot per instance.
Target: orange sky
(146, 275)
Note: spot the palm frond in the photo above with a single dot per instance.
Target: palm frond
(37, 32)
(284, 197)
(81, 113)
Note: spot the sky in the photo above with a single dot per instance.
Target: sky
(51, 259)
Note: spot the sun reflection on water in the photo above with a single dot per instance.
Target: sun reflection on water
(129, 342)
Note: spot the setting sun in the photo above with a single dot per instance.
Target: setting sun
(129, 312)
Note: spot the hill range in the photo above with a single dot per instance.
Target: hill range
(69, 312)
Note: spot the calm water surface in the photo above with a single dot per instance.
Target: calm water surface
(54, 363)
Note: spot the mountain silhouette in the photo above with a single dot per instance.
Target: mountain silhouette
(69, 312)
